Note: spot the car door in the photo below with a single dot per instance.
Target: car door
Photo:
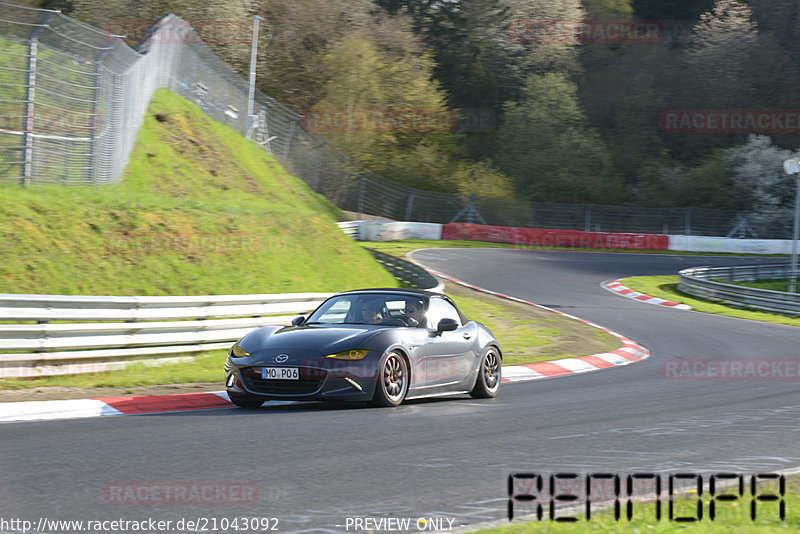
(450, 353)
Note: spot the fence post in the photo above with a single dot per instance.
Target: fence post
(410, 205)
(317, 167)
(688, 221)
(587, 223)
(289, 140)
(30, 94)
(361, 190)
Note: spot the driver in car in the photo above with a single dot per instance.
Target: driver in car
(412, 314)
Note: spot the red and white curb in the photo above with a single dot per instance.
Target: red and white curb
(129, 405)
(616, 287)
(105, 406)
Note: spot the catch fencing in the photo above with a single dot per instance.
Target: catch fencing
(709, 283)
(73, 98)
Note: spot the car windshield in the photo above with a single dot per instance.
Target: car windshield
(388, 309)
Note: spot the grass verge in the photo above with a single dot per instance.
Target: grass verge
(199, 210)
(768, 283)
(666, 287)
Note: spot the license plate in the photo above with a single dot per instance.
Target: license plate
(280, 373)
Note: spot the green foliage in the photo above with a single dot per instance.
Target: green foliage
(482, 178)
(609, 9)
(199, 211)
(362, 81)
(708, 185)
(548, 148)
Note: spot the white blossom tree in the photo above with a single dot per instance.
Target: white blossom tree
(769, 192)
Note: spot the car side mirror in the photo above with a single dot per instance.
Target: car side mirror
(297, 321)
(447, 325)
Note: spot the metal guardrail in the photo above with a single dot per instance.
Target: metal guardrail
(408, 273)
(46, 335)
(113, 330)
(707, 283)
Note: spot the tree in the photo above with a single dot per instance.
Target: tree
(548, 148)
(768, 192)
(133, 18)
(708, 185)
(720, 51)
(609, 9)
(403, 135)
(482, 179)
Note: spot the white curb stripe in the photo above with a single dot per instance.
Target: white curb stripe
(47, 410)
(616, 286)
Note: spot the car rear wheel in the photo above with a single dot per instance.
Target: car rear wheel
(392, 383)
(489, 373)
(245, 401)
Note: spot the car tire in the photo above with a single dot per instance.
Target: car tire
(489, 375)
(392, 381)
(245, 401)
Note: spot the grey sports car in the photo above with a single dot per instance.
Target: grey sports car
(378, 345)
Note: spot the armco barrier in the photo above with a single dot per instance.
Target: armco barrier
(541, 237)
(707, 283)
(408, 273)
(156, 326)
(105, 333)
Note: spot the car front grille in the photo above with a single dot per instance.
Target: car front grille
(310, 381)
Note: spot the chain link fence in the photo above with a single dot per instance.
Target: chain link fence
(73, 97)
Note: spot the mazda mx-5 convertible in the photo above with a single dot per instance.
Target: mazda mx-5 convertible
(371, 345)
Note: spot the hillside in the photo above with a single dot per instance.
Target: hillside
(198, 211)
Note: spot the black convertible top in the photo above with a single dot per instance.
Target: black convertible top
(407, 291)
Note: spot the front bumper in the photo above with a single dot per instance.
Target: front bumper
(337, 381)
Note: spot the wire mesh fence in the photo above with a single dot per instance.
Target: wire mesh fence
(73, 98)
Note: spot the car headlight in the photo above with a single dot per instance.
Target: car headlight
(239, 352)
(355, 354)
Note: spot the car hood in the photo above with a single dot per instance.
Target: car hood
(305, 341)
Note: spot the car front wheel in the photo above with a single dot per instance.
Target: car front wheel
(392, 383)
(489, 374)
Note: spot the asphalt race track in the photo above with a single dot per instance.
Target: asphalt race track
(315, 466)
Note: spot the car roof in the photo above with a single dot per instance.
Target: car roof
(405, 291)
(399, 290)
